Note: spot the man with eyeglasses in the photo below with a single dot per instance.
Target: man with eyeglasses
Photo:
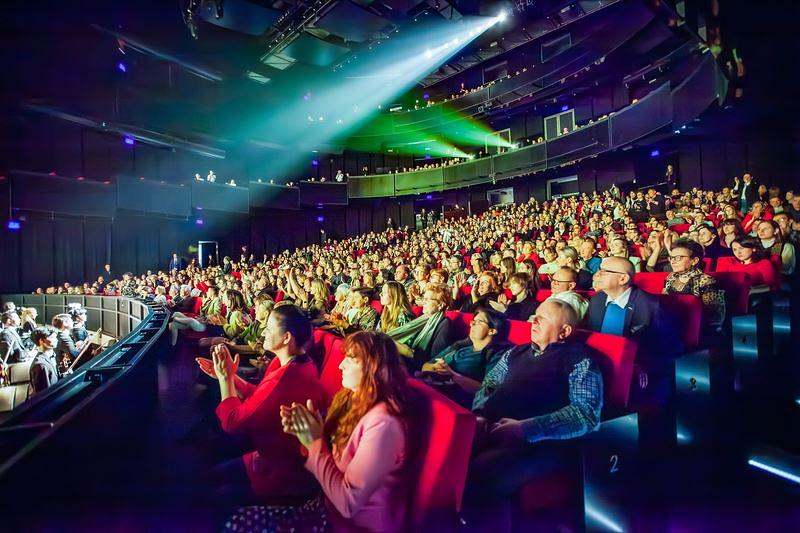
(620, 308)
(562, 285)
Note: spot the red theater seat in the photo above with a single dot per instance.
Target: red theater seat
(652, 282)
(687, 310)
(519, 332)
(737, 291)
(617, 355)
(330, 376)
(417, 310)
(761, 273)
(444, 458)
(279, 296)
(376, 305)
(460, 323)
(464, 290)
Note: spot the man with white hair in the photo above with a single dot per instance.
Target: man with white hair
(548, 390)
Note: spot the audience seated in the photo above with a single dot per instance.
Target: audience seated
(273, 471)
(210, 314)
(428, 334)
(359, 453)
(562, 285)
(549, 390)
(44, 367)
(66, 349)
(522, 303)
(396, 310)
(467, 361)
(686, 277)
(12, 349)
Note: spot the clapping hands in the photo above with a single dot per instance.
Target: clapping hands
(221, 365)
(302, 421)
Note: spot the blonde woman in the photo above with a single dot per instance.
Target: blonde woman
(396, 308)
(619, 248)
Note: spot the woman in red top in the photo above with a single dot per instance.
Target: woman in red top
(275, 466)
(751, 258)
(359, 453)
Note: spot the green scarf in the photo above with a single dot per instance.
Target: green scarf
(417, 334)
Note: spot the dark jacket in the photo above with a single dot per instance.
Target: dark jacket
(655, 332)
(522, 310)
(66, 346)
(750, 193)
(11, 348)
(43, 372)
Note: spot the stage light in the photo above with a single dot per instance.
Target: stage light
(121, 66)
(199, 221)
(315, 162)
(428, 53)
(503, 15)
(564, 108)
(320, 218)
(14, 225)
(655, 153)
(130, 141)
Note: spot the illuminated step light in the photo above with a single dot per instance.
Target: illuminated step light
(794, 478)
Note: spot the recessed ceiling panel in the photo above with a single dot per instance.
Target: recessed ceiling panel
(241, 16)
(310, 50)
(352, 22)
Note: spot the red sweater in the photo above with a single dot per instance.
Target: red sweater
(276, 467)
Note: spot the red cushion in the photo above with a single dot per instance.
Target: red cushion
(652, 282)
(543, 294)
(444, 457)
(330, 377)
(688, 311)
(761, 273)
(617, 357)
(519, 332)
(460, 322)
(737, 291)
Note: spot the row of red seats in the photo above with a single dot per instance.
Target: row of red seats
(446, 454)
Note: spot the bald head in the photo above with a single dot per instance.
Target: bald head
(619, 264)
(554, 321)
(614, 277)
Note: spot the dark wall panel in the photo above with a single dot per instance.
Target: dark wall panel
(97, 246)
(68, 250)
(36, 254)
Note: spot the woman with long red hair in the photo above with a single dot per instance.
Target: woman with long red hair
(358, 453)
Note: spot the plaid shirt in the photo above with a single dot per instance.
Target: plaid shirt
(581, 416)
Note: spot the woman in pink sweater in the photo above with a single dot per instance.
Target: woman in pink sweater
(358, 453)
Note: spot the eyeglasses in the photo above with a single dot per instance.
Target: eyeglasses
(679, 257)
(476, 321)
(604, 271)
(554, 280)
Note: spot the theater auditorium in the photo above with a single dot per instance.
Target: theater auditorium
(400, 265)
